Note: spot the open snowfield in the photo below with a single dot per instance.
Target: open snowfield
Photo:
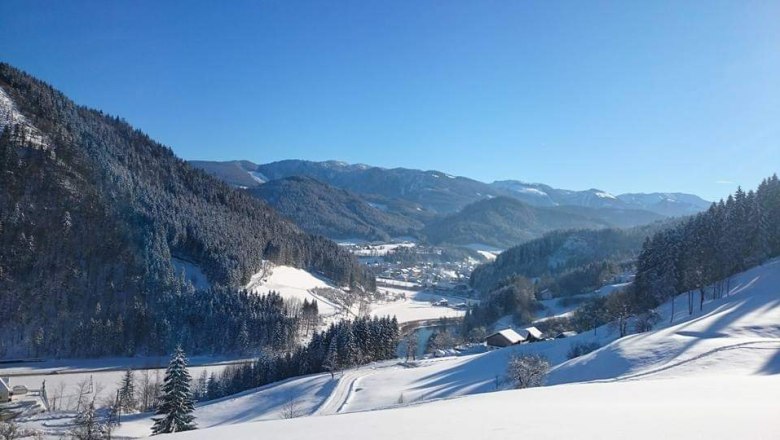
(64, 376)
(487, 251)
(740, 408)
(293, 283)
(307, 393)
(413, 305)
(379, 250)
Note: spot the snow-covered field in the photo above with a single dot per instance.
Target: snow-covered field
(298, 284)
(414, 305)
(487, 251)
(64, 376)
(293, 283)
(301, 396)
(740, 408)
(378, 250)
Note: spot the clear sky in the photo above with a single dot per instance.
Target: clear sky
(624, 96)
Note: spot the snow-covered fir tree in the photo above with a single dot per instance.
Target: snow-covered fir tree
(127, 400)
(176, 405)
(87, 425)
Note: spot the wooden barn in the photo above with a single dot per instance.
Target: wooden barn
(531, 334)
(504, 338)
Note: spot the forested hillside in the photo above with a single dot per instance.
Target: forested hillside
(94, 218)
(505, 222)
(564, 260)
(319, 208)
(733, 235)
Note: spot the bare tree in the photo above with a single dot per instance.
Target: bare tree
(9, 431)
(290, 409)
(83, 389)
(56, 400)
(528, 370)
(148, 389)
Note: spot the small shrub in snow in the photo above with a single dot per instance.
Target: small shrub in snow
(645, 321)
(578, 349)
(529, 370)
(9, 431)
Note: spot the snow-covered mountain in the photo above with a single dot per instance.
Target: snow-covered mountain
(666, 204)
(443, 193)
(670, 204)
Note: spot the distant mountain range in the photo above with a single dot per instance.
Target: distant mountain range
(437, 206)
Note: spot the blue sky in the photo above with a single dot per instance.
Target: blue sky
(623, 96)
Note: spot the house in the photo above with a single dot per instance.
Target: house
(504, 338)
(5, 390)
(531, 334)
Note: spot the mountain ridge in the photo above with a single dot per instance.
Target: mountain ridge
(468, 190)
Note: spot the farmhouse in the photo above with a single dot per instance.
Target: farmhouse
(504, 338)
(531, 334)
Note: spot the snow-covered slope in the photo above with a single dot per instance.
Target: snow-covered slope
(11, 116)
(739, 334)
(740, 408)
(293, 283)
(725, 362)
(293, 397)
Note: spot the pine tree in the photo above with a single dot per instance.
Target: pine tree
(127, 400)
(331, 364)
(87, 425)
(176, 407)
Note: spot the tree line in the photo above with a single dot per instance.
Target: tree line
(342, 345)
(733, 235)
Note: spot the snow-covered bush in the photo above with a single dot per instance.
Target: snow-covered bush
(529, 370)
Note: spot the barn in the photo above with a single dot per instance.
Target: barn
(531, 334)
(504, 338)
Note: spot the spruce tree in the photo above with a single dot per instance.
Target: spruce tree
(127, 392)
(331, 363)
(177, 406)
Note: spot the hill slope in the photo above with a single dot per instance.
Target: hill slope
(321, 209)
(723, 361)
(239, 173)
(503, 222)
(112, 218)
(431, 190)
(735, 336)
(664, 204)
(561, 251)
